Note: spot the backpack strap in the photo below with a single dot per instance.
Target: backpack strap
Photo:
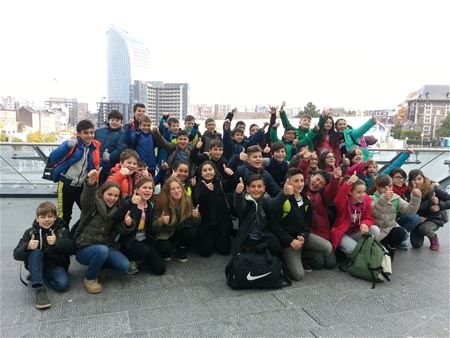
(358, 247)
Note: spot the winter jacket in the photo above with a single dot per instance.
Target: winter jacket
(440, 217)
(64, 149)
(277, 170)
(385, 212)
(208, 136)
(342, 222)
(291, 151)
(198, 158)
(111, 140)
(255, 214)
(54, 255)
(304, 136)
(126, 183)
(292, 221)
(246, 171)
(166, 231)
(231, 147)
(97, 224)
(144, 144)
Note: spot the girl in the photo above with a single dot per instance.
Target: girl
(94, 234)
(175, 220)
(327, 139)
(354, 217)
(432, 210)
(386, 206)
(306, 161)
(181, 170)
(215, 226)
(140, 245)
(328, 161)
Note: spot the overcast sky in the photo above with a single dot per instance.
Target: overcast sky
(355, 54)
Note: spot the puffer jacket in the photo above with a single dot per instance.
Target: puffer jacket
(97, 224)
(110, 139)
(385, 212)
(127, 183)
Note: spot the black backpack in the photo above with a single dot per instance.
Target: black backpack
(50, 166)
(254, 269)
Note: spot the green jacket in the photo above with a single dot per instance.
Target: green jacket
(352, 138)
(274, 138)
(304, 136)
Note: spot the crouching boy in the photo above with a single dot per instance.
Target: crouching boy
(46, 248)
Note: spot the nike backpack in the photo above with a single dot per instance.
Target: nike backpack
(254, 270)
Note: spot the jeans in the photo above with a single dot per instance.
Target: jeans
(408, 222)
(97, 256)
(56, 277)
(349, 242)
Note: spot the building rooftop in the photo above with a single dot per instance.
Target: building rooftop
(193, 300)
(431, 92)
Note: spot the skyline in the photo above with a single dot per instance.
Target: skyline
(346, 54)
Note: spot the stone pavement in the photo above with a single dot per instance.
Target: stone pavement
(192, 299)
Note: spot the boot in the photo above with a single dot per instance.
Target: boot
(434, 243)
(92, 286)
(42, 302)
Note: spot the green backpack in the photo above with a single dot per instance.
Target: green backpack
(370, 261)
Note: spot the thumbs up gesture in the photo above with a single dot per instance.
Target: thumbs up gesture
(33, 243)
(195, 212)
(164, 219)
(228, 171)
(199, 145)
(353, 178)
(416, 192)
(128, 219)
(434, 199)
(240, 187)
(210, 185)
(389, 194)
(345, 161)
(124, 171)
(243, 156)
(93, 175)
(337, 172)
(136, 199)
(288, 189)
(51, 240)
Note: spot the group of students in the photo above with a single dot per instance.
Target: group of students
(322, 200)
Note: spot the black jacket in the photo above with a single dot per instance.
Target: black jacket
(277, 170)
(292, 223)
(246, 171)
(54, 255)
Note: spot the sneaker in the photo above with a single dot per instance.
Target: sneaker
(181, 254)
(434, 243)
(285, 281)
(168, 258)
(403, 246)
(92, 286)
(307, 267)
(42, 301)
(133, 268)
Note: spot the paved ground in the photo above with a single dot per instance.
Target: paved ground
(192, 299)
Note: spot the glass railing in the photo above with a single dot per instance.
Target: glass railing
(22, 165)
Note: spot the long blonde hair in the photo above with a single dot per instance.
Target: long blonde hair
(164, 202)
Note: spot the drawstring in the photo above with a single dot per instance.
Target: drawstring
(40, 238)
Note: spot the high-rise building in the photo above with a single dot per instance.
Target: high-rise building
(127, 60)
(104, 108)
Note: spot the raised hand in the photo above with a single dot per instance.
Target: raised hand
(409, 150)
(240, 186)
(265, 125)
(272, 110)
(266, 150)
(164, 219)
(337, 172)
(128, 221)
(276, 125)
(226, 124)
(210, 186)
(389, 194)
(434, 199)
(195, 212)
(353, 179)
(345, 161)
(316, 127)
(166, 125)
(283, 104)
(164, 165)
(234, 111)
(51, 240)
(288, 189)
(243, 156)
(227, 171)
(199, 145)
(136, 199)
(33, 243)
(295, 142)
(374, 119)
(93, 175)
(416, 192)
(124, 171)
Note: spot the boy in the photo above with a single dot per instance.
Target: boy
(125, 173)
(210, 133)
(45, 248)
(288, 139)
(73, 170)
(277, 166)
(143, 141)
(138, 112)
(215, 155)
(169, 128)
(253, 166)
(192, 128)
(111, 141)
(178, 151)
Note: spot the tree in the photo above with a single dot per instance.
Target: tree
(310, 109)
(396, 131)
(34, 137)
(3, 137)
(444, 129)
(411, 135)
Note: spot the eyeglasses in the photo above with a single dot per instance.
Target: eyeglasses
(313, 159)
(330, 156)
(399, 177)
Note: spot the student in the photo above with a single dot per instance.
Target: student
(432, 210)
(288, 138)
(215, 225)
(73, 171)
(303, 133)
(138, 112)
(45, 248)
(307, 162)
(215, 155)
(349, 137)
(386, 207)
(210, 133)
(168, 128)
(94, 236)
(327, 138)
(277, 166)
(144, 142)
(328, 161)
(175, 220)
(293, 229)
(125, 173)
(179, 151)
(254, 166)
(139, 245)
(354, 217)
(256, 211)
(192, 128)
(110, 138)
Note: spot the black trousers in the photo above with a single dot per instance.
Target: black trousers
(394, 238)
(211, 238)
(67, 196)
(145, 250)
(273, 244)
(184, 237)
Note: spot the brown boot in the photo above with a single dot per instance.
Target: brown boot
(92, 286)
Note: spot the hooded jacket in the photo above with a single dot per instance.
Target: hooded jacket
(127, 183)
(110, 139)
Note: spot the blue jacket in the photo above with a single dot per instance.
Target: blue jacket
(144, 145)
(112, 140)
(63, 150)
(231, 147)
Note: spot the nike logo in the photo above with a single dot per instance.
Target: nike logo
(250, 277)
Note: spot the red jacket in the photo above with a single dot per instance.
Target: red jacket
(342, 223)
(126, 183)
(320, 201)
(327, 145)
